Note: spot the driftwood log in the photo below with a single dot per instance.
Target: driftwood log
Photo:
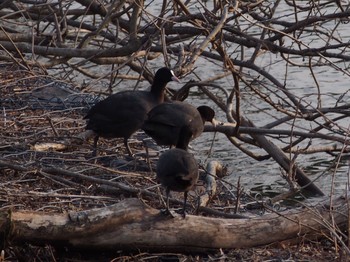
(131, 225)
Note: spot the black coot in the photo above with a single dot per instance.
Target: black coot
(123, 113)
(177, 170)
(165, 122)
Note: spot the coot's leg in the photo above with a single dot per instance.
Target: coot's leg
(184, 207)
(94, 152)
(167, 211)
(127, 146)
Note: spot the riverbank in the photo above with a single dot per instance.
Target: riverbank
(39, 110)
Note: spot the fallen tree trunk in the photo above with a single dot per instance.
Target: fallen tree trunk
(131, 225)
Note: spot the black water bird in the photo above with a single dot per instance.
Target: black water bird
(165, 122)
(177, 169)
(123, 113)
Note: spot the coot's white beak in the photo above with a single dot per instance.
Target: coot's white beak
(174, 78)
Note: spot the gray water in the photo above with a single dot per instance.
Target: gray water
(265, 177)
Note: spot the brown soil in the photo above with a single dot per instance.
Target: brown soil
(36, 110)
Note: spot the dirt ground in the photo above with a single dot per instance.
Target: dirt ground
(40, 124)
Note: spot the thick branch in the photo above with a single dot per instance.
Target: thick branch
(132, 47)
(132, 225)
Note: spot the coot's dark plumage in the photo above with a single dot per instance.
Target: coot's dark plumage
(177, 170)
(165, 121)
(122, 114)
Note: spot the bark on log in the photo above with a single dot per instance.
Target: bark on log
(131, 225)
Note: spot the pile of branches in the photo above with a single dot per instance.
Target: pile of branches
(43, 147)
(47, 168)
(111, 44)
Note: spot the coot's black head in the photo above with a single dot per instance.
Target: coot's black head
(207, 113)
(163, 76)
